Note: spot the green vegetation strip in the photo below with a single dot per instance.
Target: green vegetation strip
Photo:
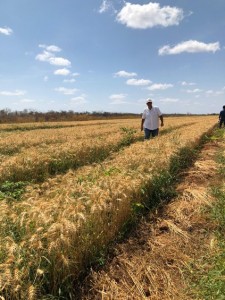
(12, 190)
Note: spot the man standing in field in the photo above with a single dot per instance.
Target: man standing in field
(150, 120)
(222, 117)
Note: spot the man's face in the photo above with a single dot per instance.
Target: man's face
(149, 104)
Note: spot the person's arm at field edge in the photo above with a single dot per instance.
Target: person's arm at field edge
(161, 119)
(142, 123)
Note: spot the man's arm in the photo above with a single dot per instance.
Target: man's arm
(142, 123)
(161, 119)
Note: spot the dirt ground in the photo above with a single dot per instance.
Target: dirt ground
(153, 262)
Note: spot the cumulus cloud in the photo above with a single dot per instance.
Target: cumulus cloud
(159, 86)
(48, 55)
(79, 100)
(59, 61)
(51, 48)
(149, 15)
(66, 91)
(118, 98)
(15, 93)
(138, 82)
(44, 56)
(63, 72)
(190, 46)
(6, 30)
(125, 74)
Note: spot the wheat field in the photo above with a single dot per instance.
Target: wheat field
(84, 180)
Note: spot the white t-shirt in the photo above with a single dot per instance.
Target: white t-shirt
(151, 117)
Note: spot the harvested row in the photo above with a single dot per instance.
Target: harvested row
(50, 237)
(43, 153)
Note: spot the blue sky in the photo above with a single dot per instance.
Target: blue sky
(111, 55)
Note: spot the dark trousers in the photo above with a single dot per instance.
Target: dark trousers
(222, 122)
(149, 133)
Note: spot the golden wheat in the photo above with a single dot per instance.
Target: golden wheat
(61, 223)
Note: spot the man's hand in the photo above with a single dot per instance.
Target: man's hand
(142, 124)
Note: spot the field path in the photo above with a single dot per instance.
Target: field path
(150, 264)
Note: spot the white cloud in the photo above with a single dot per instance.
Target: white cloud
(168, 100)
(6, 30)
(149, 15)
(159, 86)
(138, 82)
(117, 96)
(51, 48)
(46, 78)
(69, 80)
(48, 55)
(219, 93)
(106, 6)
(44, 56)
(79, 100)
(63, 72)
(125, 74)
(15, 93)
(59, 61)
(75, 74)
(66, 91)
(184, 83)
(118, 99)
(193, 91)
(211, 93)
(190, 46)
(27, 100)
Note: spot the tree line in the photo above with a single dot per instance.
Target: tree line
(30, 116)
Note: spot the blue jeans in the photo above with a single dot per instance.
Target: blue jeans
(149, 133)
(222, 122)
